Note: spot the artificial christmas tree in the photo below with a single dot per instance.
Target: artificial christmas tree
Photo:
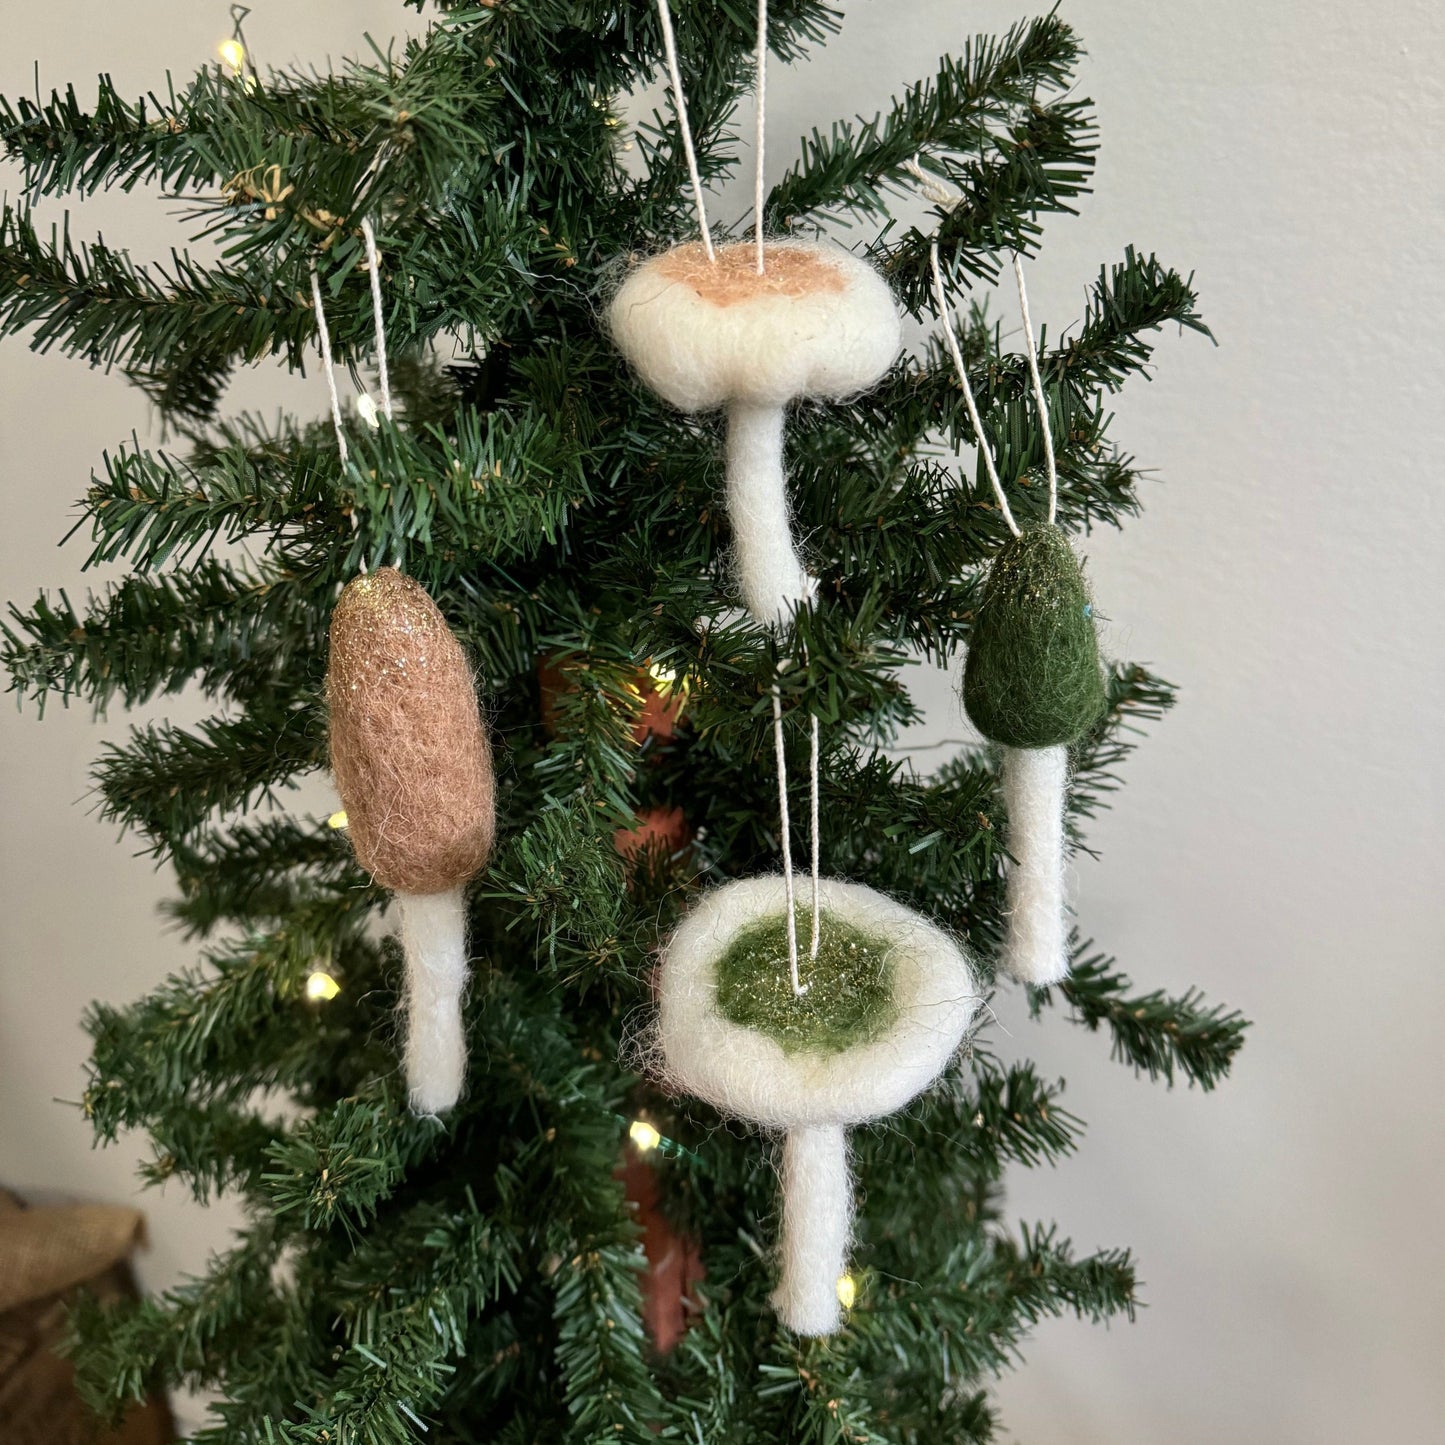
(478, 1276)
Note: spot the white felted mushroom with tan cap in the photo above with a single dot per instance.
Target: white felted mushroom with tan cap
(707, 328)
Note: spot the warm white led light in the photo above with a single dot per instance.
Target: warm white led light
(847, 1291)
(321, 987)
(644, 1135)
(232, 53)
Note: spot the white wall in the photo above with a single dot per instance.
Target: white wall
(1280, 843)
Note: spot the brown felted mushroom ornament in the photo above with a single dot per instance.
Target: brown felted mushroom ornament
(413, 767)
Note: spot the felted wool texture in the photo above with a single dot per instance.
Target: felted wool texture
(818, 322)
(848, 986)
(1033, 678)
(746, 1073)
(817, 1229)
(771, 575)
(704, 333)
(434, 939)
(408, 749)
(813, 1095)
(1036, 941)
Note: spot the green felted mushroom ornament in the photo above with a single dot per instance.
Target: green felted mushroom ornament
(1033, 683)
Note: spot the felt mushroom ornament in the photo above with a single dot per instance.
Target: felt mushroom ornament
(752, 327)
(708, 328)
(1032, 683)
(413, 766)
(889, 997)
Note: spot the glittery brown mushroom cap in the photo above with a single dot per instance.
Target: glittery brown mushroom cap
(408, 747)
(818, 321)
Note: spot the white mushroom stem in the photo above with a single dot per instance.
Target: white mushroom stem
(817, 1225)
(434, 938)
(1035, 784)
(772, 576)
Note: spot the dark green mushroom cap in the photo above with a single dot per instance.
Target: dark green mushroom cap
(1033, 677)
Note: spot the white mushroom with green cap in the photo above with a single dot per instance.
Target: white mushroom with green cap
(711, 332)
(892, 997)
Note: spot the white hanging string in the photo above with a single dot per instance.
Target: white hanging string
(813, 801)
(1038, 384)
(939, 192)
(787, 842)
(760, 194)
(679, 105)
(323, 334)
(373, 263)
(951, 339)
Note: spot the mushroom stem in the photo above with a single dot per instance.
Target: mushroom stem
(773, 578)
(1035, 782)
(817, 1224)
(434, 938)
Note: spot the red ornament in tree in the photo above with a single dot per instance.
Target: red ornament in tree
(664, 830)
(661, 706)
(674, 1262)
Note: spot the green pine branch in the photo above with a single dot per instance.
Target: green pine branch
(971, 1321)
(596, 45)
(166, 781)
(959, 111)
(1129, 302)
(94, 302)
(1131, 299)
(1012, 1115)
(260, 870)
(154, 508)
(211, 1148)
(1040, 165)
(602, 1350)
(218, 1033)
(233, 632)
(563, 876)
(404, 1346)
(503, 485)
(183, 1336)
(1136, 697)
(1155, 1034)
(380, 129)
(336, 1169)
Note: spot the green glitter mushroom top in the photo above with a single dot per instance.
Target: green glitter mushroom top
(1033, 678)
(849, 998)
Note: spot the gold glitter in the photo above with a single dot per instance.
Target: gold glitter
(849, 998)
